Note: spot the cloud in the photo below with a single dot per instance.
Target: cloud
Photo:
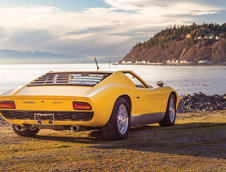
(163, 7)
(30, 37)
(102, 32)
(3, 33)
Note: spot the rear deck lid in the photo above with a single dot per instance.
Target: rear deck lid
(63, 84)
(53, 91)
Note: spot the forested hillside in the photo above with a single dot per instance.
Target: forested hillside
(188, 44)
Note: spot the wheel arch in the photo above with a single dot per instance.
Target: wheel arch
(175, 95)
(166, 119)
(128, 99)
(103, 101)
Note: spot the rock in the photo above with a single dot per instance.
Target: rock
(224, 97)
(201, 102)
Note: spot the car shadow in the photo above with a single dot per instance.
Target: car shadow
(195, 139)
(93, 137)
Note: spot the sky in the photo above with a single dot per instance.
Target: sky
(100, 28)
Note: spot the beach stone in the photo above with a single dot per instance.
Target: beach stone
(201, 102)
(224, 97)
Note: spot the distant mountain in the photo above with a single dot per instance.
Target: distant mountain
(13, 56)
(194, 43)
(14, 53)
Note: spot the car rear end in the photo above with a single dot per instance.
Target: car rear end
(54, 99)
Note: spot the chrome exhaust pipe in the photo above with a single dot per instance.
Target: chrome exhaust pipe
(74, 128)
(19, 127)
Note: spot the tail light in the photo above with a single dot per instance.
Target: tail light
(82, 106)
(7, 105)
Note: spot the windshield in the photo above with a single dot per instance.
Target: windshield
(135, 80)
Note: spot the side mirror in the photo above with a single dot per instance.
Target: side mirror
(160, 83)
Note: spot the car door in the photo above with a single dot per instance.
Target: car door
(147, 104)
(148, 100)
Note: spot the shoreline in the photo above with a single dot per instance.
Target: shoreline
(163, 64)
(114, 64)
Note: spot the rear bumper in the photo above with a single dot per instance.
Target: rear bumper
(59, 117)
(100, 113)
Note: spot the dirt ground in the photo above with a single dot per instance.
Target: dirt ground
(196, 143)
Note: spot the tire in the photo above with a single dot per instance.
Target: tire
(25, 131)
(118, 125)
(170, 115)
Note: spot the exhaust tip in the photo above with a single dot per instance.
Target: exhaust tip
(74, 128)
(19, 127)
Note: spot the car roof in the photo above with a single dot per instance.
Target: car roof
(106, 71)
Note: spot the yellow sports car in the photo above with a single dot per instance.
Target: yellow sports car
(112, 101)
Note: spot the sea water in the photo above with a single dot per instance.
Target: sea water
(185, 79)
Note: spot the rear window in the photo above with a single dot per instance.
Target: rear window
(70, 78)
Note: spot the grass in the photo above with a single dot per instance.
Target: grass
(196, 143)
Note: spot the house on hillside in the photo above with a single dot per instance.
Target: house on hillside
(184, 62)
(178, 62)
(208, 37)
(172, 61)
(204, 62)
(188, 36)
(143, 62)
(148, 62)
(217, 38)
(211, 37)
(127, 62)
(199, 38)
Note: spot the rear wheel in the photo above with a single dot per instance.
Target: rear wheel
(118, 125)
(25, 130)
(170, 115)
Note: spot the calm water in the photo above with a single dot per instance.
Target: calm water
(185, 79)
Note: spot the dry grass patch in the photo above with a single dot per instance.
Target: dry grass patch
(196, 143)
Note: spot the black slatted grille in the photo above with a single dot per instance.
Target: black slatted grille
(69, 78)
(61, 116)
